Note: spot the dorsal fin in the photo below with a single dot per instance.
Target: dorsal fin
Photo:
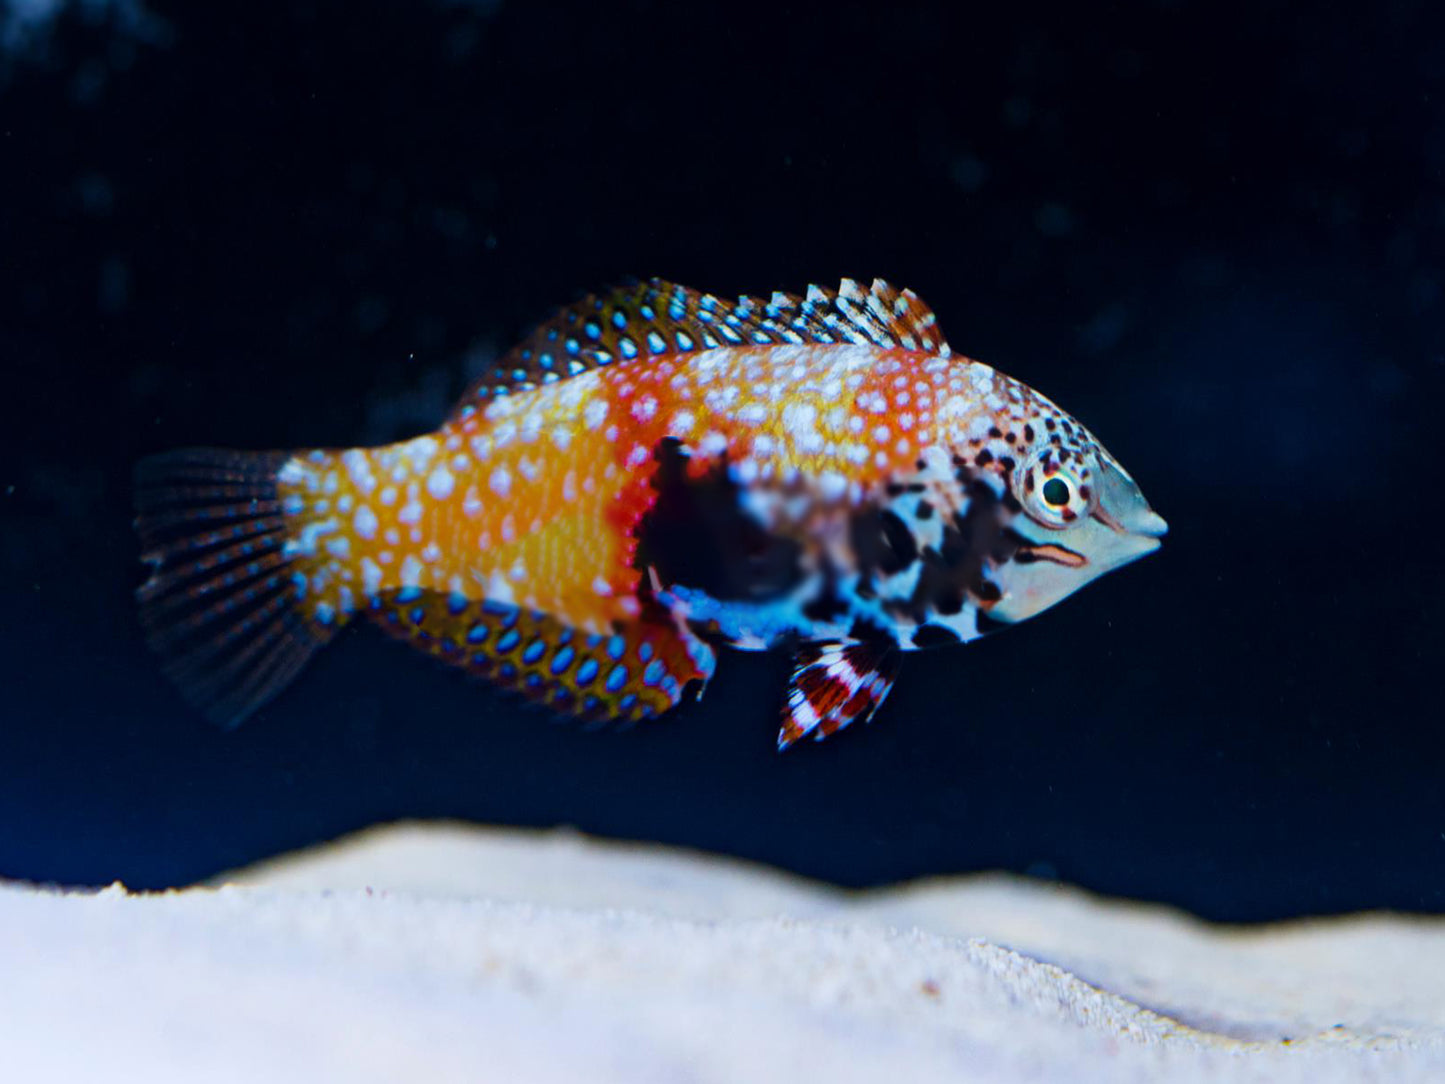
(657, 319)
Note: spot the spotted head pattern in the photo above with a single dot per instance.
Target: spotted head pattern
(653, 472)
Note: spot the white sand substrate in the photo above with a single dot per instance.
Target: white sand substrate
(447, 953)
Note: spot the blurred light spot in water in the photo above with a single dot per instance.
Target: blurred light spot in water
(372, 313)
(27, 26)
(113, 288)
(1102, 333)
(97, 194)
(968, 172)
(1424, 292)
(1054, 220)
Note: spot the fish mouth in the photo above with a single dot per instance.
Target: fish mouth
(1150, 524)
(1129, 537)
(1143, 522)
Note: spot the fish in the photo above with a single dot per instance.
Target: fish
(653, 473)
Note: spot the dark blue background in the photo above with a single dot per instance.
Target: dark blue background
(1213, 233)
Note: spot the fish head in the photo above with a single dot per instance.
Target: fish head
(1041, 504)
(1077, 515)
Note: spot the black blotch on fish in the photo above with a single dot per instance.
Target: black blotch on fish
(974, 541)
(934, 636)
(986, 624)
(866, 630)
(882, 542)
(902, 546)
(697, 534)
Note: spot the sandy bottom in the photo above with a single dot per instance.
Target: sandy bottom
(441, 953)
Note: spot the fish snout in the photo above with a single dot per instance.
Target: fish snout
(1122, 508)
(1144, 520)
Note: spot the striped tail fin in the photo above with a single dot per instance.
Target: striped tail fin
(227, 605)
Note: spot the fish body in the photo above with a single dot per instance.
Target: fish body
(651, 473)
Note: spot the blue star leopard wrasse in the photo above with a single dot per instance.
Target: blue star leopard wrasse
(652, 473)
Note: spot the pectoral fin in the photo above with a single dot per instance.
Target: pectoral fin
(834, 685)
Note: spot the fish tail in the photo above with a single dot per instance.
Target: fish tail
(241, 590)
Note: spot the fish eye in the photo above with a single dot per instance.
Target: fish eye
(1054, 491)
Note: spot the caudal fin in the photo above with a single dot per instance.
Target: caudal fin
(227, 604)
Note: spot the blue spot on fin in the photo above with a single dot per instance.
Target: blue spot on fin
(672, 320)
(641, 670)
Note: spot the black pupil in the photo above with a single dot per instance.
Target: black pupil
(1056, 492)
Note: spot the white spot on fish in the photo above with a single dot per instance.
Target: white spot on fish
(439, 483)
(498, 589)
(370, 576)
(422, 450)
(753, 414)
(501, 481)
(471, 504)
(595, 413)
(832, 485)
(411, 570)
(358, 469)
(410, 512)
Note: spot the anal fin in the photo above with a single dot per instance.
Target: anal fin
(638, 671)
(833, 685)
